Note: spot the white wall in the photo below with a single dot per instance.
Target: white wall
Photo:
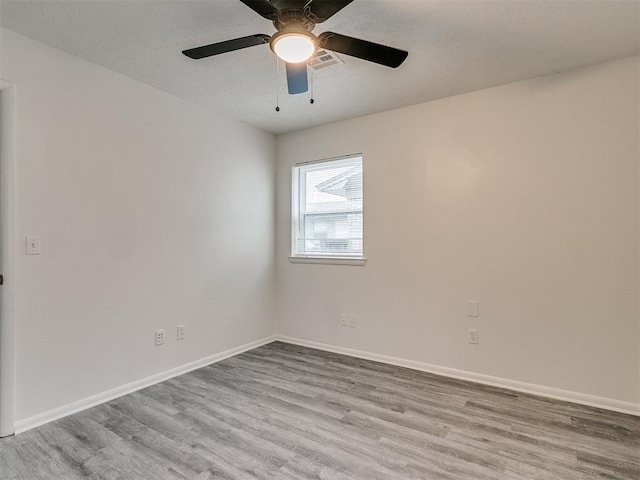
(524, 197)
(152, 212)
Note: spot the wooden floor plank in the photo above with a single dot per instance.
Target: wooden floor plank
(284, 412)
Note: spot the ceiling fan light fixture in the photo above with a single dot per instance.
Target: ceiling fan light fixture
(294, 46)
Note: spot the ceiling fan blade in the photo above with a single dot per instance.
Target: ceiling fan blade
(373, 52)
(227, 46)
(297, 78)
(324, 9)
(262, 8)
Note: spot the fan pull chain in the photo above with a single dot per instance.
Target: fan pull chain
(311, 101)
(277, 84)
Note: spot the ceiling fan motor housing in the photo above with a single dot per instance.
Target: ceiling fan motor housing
(293, 18)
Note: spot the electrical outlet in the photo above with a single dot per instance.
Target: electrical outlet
(344, 320)
(351, 320)
(180, 332)
(159, 337)
(472, 334)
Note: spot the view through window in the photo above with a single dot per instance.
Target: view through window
(327, 208)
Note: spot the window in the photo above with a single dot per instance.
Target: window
(327, 210)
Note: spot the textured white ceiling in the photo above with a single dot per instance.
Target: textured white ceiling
(454, 47)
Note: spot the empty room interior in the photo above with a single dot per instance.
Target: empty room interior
(320, 239)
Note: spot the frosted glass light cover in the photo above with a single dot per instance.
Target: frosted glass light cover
(294, 48)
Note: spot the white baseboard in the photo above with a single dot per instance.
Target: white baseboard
(77, 406)
(549, 392)
(556, 393)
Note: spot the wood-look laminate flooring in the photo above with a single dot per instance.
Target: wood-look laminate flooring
(287, 412)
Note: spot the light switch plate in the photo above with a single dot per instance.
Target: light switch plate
(33, 245)
(473, 308)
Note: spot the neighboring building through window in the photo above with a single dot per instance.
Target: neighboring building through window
(327, 208)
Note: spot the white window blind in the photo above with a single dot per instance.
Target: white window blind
(327, 208)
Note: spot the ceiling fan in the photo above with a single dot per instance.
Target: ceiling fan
(295, 44)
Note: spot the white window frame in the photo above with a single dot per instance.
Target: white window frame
(327, 259)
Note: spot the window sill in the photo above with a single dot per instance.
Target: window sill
(354, 261)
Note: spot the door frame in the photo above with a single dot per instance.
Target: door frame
(8, 164)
